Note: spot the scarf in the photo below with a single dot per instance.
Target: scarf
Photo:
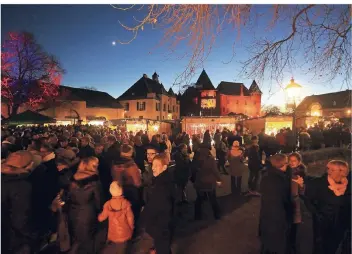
(49, 157)
(338, 188)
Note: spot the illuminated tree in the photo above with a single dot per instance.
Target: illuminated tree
(29, 75)
(319, 34)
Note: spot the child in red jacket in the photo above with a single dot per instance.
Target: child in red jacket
(121, 224)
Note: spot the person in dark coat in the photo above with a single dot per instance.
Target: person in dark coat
(113, 151)
(276, 208)
(205, 177)
(85, 150)
(328, 198)
(295, 170)
(155, 221)
(222, 155)
(84, 201)
(207, 139)
(104, 170)
(16, 205)
(254, 165)
(45, 188)
(126, 172)
(139, 153)
(182, 170)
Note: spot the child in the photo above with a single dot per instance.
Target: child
(121, 225)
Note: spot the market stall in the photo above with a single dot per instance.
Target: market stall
(198, 125)
(29, 118)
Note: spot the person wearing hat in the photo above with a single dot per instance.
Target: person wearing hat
(16, 205)
(127, 173)
(121, 221)
(84, 205)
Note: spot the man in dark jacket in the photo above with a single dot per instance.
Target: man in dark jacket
(156, 217)
(16, 198)
(205, 177)
(85, 150)
(254, 165)
(328, 199)
(182, 170)
(276, 208)
(113, 151)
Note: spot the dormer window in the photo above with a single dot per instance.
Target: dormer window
(334, 103)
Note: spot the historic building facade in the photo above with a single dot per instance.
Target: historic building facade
(203, 99)
(324, 108)
(148, 98)
(74, 105)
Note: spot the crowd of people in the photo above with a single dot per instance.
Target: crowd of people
(89, 189)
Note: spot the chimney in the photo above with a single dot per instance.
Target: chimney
(145, 75)
(241, 90)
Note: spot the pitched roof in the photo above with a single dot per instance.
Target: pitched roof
(204, 82)
(93, 99)
(254, 88)
(142, 87)
(171, 92)
(232, 88)
(336, 100)
(29, 117)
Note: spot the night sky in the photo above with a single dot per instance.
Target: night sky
(81, 37)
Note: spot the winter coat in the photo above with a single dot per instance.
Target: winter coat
(104, 176)
(84, 201)
(158, 211)
(121, 221)
(281, 139)
(139, 156)
(113, 154)
(304, 139)
(129, 175)
(275, 212)
(217, 140)
(16, 209)
(290, 139)
(254, 158)
(126, 172)
(85, 152)
(237, 167)
(205, 173)
(329, 214)
(182, 170)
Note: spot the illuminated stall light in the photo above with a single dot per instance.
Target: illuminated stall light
(63, 122)
(96, 122)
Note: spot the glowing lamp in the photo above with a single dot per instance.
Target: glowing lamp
(349, 111)
(292, 94)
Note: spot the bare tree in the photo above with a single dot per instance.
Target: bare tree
(318, 33)
(29, 75)
(271, 110)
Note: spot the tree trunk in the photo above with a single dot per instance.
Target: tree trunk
(14, 110)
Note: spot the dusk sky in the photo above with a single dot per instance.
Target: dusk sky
(81, 37)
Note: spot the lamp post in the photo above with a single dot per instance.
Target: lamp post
(292, 97)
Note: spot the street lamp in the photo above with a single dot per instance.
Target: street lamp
(293, 97)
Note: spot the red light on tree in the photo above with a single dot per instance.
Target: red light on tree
(30, 76)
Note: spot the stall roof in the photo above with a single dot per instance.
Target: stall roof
(29, 117)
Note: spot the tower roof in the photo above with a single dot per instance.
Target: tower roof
(254, 88)
(171, 92)
(293, 84)
(204, 82)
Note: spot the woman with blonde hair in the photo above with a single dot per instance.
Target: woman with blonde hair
(237, 167)
(84, 201)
